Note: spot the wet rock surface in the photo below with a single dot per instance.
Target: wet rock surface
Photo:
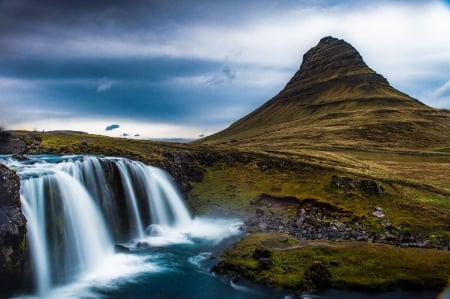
(12, 232)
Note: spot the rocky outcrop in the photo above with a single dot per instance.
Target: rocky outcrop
(9, 144)
(12, 232)
(333, 59)
(369, 187)
(315, 220)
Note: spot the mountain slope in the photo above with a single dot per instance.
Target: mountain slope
(335, 99)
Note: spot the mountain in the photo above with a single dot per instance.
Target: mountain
(336, 100)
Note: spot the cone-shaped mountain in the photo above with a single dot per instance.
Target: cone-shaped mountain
(335, 99)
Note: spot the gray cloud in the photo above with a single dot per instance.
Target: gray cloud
(104, 84)
(112, 127)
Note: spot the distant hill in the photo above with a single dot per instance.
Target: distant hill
(336, 100)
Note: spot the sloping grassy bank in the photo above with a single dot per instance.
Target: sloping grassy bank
(356, 265)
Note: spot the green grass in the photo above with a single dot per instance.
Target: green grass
(444, 150)
(232, 189)
(351, 264)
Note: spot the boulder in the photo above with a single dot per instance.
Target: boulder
(369, 187)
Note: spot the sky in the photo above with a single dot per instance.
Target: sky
(184, 68)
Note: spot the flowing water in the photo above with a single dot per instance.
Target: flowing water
(80, 207)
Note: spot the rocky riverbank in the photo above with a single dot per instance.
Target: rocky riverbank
(309, 219)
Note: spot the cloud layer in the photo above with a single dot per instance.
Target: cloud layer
(199, 64)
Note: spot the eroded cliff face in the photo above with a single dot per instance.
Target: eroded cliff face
(12, 232)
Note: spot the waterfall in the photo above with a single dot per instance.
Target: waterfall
(78, 207)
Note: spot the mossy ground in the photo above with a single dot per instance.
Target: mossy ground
(351, 264)
(232, 189)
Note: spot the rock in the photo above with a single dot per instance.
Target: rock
(316, 277)
(154, 230)
(389, 236)
(378, 214)
(386, 223)
(121, 248)
(300, 220)
(13, 230)
(143, 245)
(264, 264)
(261, 252)
(223, 268)
(259, 212)
(21, 157)
(9, 144)
(369, 187)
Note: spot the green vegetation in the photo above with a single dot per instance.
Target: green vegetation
(351, 264)
(232, 189)
(68, 142)
(444, 150)
(416, 201)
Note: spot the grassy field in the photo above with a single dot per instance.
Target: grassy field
(354, 265)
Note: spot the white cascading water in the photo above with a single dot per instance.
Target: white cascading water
(67, 205)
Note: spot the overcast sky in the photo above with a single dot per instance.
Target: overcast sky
(185, 68)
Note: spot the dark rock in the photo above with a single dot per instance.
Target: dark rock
(300, 220)
(9, 144)
(261, 252)
(21, 157)
(316, 277)
(223, 268)
(264, 264)
(143, 245)
(13, 243)
(259, 212)
(369, 187)
(386, 224)
(121, 248)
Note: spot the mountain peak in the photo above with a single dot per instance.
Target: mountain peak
(332, 58)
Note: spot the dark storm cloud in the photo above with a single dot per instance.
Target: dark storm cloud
(146, 69)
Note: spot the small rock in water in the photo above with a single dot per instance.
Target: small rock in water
(143, 245)
(121, 248)
(154, 230)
